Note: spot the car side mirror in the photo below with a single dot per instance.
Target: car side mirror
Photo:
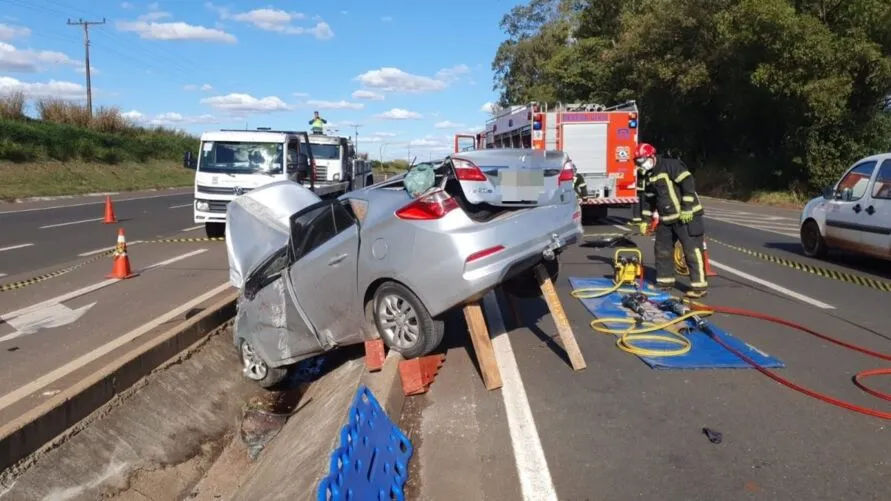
(188, 160)
(828, 193)
(847, 195)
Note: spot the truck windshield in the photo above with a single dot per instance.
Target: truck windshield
(241, 158)
(323, 151)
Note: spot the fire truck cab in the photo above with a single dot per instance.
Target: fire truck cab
(599, 140)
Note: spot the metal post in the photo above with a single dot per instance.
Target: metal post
(86, 26)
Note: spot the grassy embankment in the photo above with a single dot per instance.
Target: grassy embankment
(66, 152)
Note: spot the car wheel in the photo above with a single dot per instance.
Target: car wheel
(526, 284)
(404, 323)
(812, 242)
(256, 369)
(215, 230)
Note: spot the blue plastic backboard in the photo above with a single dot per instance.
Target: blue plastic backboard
(371, 462)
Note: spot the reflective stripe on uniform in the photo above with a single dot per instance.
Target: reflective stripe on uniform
(671, 194)
(682, 176)
(687, 198)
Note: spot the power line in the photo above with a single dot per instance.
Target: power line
(86, 26)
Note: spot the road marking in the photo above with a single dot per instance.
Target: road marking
(753, 227)
(98, 251)
(91, 288)
(70, 223)
(771, 285)
(180, 206)
(57, 315)
(532, 465)
(193, 228)
(22, 392)
(14, 247)
(2, 275)
(98, 202)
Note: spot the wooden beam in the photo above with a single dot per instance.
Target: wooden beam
(563, 327)
(482, 345)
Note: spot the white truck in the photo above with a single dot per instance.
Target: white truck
(232, 162)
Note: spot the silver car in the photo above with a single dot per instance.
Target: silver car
(378, 262)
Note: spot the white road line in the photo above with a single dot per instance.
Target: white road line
(70, 223)
(752, 227)
(532, 465)
(22, 392)
(98, 202)
(771, 285)
(180, 206)
(14, 247)
(94, 287)
(193, 228)
(98, 251)
(2, 275)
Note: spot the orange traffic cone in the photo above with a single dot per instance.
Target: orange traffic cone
(708, 266)
(121, 267)
(109, 211)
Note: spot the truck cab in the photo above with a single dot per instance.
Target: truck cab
(336, 161)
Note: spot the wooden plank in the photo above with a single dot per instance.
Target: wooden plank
(563, 327)
(482, 345)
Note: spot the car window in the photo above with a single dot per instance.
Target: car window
(342, 217)
(881, 188)
(856, 180)
(319, 231)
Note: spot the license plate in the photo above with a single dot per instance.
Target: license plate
(521, 185)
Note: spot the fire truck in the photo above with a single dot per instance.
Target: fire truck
(600, 141)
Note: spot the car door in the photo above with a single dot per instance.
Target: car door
(876, 219)
(845, 211)
(323, 278)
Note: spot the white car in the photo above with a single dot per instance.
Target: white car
(854, 214)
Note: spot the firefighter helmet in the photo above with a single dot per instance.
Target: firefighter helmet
(644, 150)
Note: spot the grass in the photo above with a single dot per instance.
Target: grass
(69, 151)
(43, 179)
(745, 182)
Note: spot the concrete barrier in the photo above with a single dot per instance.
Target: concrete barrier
(66, 412)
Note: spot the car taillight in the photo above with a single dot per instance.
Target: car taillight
(467, 171)
(432, 206)
(566, 173)
(483, 253)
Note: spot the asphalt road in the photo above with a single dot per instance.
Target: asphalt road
(619, 430)
(56, 331)
(39, 235)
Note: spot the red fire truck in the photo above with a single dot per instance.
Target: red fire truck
(599, 140)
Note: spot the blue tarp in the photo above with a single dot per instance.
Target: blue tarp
(705, 352)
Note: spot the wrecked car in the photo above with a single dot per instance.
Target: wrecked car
(379, 262)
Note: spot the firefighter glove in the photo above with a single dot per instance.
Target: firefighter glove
(686, 216)
(642, 227)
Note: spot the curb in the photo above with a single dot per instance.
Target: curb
(50, 198)
(48, 424)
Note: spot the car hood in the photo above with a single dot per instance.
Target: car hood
(258, 225)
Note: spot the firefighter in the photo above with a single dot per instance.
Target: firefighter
(670, 190)
(578, 184)
(317, 123)
(637, 209)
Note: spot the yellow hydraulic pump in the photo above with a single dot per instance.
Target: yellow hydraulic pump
(628, 263)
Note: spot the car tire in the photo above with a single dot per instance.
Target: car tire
(258, 370)
(812, 242)
(391, 299)
(215, 230)
(525, 285)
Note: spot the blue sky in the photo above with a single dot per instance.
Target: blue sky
(410, 73)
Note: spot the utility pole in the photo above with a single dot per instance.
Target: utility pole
(86, 26)
(356, 132)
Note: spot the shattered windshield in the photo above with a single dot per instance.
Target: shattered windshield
(241, 158)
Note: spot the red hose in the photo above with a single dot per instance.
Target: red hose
(789, 384)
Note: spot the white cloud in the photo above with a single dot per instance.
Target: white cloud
(344, 12)
(300, 94)
(387, 19)
(322, 31)
(126, 5)
(192, 87)
(93, 70)
(175, 31)
(399, 114)
(8, 32)
(425, 142)
(53, 88)
(367, 94)
(154, 6)
(30, 61)
(154, 16)
(206, 88)
(447, 125)
(335, 105)
(271, 20)
(489, 107)
(384, 134)
(246, 103)
(390, 79)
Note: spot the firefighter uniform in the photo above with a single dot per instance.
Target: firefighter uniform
(670, 190)
(638, 208)
(580, 187)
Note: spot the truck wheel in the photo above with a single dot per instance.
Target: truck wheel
(404, 323)
(812, 242)
(215, 230)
